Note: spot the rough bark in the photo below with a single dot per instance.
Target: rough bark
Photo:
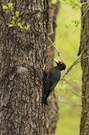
(84, 48)
(23, 55)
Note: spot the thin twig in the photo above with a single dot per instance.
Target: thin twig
(73, 91)
(70, 104)
(83, 3)
(76, 62)
(55, 48)
(85, 13)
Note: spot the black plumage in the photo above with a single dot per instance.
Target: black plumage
(52, 78)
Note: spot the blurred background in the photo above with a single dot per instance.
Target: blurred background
(67, 42)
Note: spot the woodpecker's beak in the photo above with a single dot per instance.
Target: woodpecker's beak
(55, 60)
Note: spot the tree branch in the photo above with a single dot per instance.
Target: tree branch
(55, 47)
(74, 63)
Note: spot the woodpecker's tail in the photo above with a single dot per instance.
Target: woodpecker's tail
(45, 96)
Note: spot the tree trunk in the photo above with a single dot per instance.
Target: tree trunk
(52, 110)
(84, 50)
(23, 56)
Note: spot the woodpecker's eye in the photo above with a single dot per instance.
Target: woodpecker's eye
(61, 62)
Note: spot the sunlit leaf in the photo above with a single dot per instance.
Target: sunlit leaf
(10, 5)
(20, 25)
(17, 13)
(5, 7)
(13, 22)
(10, 25)
(27, 27)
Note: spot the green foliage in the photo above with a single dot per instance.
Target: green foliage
(5, 7)
(27, 27)
(76, 22)
(20, 25)
(12, 23)
(17, 13)
(67, 42)
(15, 16)
(75, 4)
(10, 5)
(73, 23)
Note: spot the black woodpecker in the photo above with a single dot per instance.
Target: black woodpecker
(52, 78)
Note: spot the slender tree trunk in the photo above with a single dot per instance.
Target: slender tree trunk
(52, 110)
(84, 49)
(23, 55)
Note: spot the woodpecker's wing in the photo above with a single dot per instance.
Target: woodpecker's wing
(53, 77)
(48, 91)
(54, 85)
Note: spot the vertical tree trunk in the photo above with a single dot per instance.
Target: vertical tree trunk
(84, 48)
(52, 110)
(23, 55)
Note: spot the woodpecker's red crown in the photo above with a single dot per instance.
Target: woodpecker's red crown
(62, 63)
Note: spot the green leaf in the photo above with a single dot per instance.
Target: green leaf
(76, 22)
(23, 22)
(17, 13)
(12, 22)
(20, 25)
(10, 25)
(67, 25)
(5, 7)
(10, 5)
(27, 27)
(14, 17)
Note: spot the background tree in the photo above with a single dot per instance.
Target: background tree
(23, 56)
(84, 49)
(52, 109)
